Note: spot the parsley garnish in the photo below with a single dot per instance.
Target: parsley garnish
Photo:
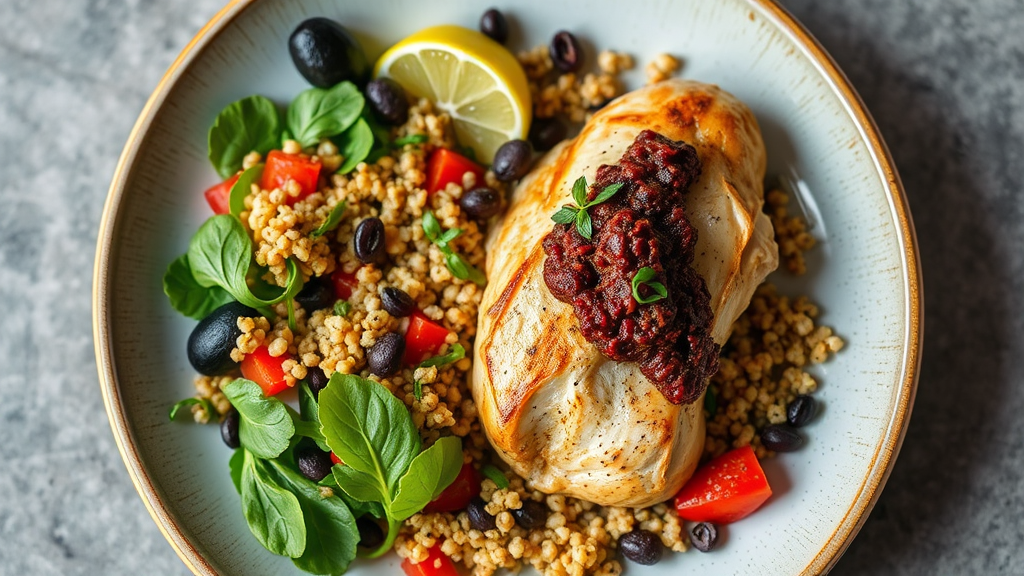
(644, 277)
(578, 212)
(456, 264)
(457, 353)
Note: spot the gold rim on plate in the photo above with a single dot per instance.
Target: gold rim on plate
(881, 463)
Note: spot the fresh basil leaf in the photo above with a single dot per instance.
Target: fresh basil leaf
(188, 402)
(250, 124)
(431, 227)
(265, 427)
(605, 194)
(273, 513)
(355, 145)
(307, 420)
(565, 215)
(324, 112)
(496, 476)
(331, 533)
(367, 427)
(584, 225)
(358, 507)
(309, 410)
(188, 296)
(242, 188)
(448, 236)
(342, 308)
(457, 353)
(412, 139)
(220, 254)
(644, 277)
(358, 485)
(579, 191)
(332, 220)
(235, 466)
(463, 270)
(429, 474)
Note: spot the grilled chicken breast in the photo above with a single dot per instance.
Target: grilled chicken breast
(564, 416)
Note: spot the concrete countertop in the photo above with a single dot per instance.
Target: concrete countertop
(944, 81)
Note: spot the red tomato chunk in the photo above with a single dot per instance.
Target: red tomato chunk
(458, 494)
(724, 490)
(436, 564)
(445, 166)
(344, 284)
(219, 196)
(281, 167)
(423, 339)
(265, 370)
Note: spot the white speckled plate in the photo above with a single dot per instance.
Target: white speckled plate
(819, 138)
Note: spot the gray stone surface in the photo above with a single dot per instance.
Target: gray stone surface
(944, 80)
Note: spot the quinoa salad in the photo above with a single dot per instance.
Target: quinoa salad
(338, 289)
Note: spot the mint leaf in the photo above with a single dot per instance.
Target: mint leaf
(265, 427)
(368, 428)
(584, 225)
(355, 145)
(188, 402)
(332, 220)
(605, 194)
(579, 191)
(273, 513)
(324, 112)
(250, 124)
(242, 188)
(188, 296)
(430, 473)
(643, 277)
(565, 215)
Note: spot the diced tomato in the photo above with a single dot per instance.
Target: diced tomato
(458, 494)
(446, 166)
(265, 370)
(436, 564)
(423, 339)
(724, 490)
(218, 197)
(281, 167)
(344, 284)
(335, 459)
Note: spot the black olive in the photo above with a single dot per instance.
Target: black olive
(387, 98)
(512, 160)
(370, 533)
(481, 203)
(801, 410)
(385, 356)
(316, 379)
(397, 302)
(313, 462)
(781, 438)
(641, 546)
(494, 25)
(531, 515)
(369, 242)
(229, 429)
(211, 341)
(565, 51)
(325, 54)
(704, 536)
(315, 295)
(479, 518)
(546, 132)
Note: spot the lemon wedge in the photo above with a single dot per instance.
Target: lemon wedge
(474, 79)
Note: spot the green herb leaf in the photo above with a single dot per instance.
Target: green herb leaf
(565, 215)
(711, 403)
(411, 139)
(220, 254)
(342, 308)
(584, 225)
(265, 427)
(188, 296)
(332, 220)
(448, 236)
(368, 428)
(457, 353)
(605, 194)
(496, 476)
(189, 402)
(463, 270)
(431, 227)
(579, 191)
(381, 137)
(235, 466)
(358, 485)
(273, 513)
(644, 277)
(355, 145)
(250, 124)
(290, 304)
(430, 473)
(417, 389)
(331, 533)
(358, 507)
(324, 112)
(242, 188)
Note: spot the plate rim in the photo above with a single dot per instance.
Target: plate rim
(882, 461)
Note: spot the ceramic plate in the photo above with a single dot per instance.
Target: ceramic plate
(820, 141)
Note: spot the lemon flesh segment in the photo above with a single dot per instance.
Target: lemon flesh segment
(475, 80)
